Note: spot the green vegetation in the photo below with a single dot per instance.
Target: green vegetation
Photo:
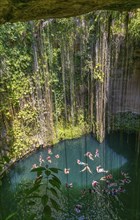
(134, 25)
(38, 199)
(126, 121)
(98, 73)
(57, 78)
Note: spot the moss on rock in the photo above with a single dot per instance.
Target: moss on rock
(24, 10)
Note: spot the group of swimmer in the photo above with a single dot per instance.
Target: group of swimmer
(99, 169)
(111, 187)
(48, 158)
(105, 186)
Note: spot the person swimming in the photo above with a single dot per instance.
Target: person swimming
(111, 184)
(49, 159)
(86, 168)
(70, 185)
(107, 177)
(49, 151)
(78, 208)
(57, 156)
(120, 189)
(125, 180)
(94, 183)
(114, 192)
(41, 160)
(81, 163)
(126, 176)
(89, 155)
(99, 169)
(66, 170)
(97, 153)
(34, 166)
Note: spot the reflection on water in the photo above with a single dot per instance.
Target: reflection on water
(116, 155)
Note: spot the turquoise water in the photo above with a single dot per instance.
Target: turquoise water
(117, 153)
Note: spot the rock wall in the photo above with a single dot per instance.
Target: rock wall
(125, 82)
(25, 10)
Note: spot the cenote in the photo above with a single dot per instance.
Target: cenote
(73, 84)
(117, 154)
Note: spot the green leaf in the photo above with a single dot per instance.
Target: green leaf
(47, 172)
(54, 170)
(32, 217)
(54, 204)
(44, 200)
(47, 211)
(7, 159)
(33, 197)
(38, 169)
(33, 189)
(55, 178)
(10, 216)
(31, 202)
(54, 192)
(54, 183)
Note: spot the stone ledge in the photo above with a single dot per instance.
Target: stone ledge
(25, 10)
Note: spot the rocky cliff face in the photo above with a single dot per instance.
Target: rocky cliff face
(24, 10)
(61, 78)
(117, 98)
(125, 80)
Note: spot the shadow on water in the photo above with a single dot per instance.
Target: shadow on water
(117, 153)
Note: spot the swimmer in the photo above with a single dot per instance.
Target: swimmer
(104, 178)
(99, 169)
(41, 160)
(125, 181)
(34, 166)
(70, 185)
(111, 184)
(120, 189)
(66, 171)
(94, 183)
(97, 153)
(49, 151)
(86, 168)
(89, 155)
(49, 159)
(125, 175)
(57, 156)
(81, 163)
(114, 192)
(78, 208)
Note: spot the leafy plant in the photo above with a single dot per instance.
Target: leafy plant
(98, 73)
(40, 199)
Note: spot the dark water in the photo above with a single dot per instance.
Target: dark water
(118, 153)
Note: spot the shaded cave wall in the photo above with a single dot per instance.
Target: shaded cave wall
(118, 97)
(125, 83)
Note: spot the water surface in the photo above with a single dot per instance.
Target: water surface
(116, 154)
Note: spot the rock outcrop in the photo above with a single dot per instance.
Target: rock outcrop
(24, 10)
